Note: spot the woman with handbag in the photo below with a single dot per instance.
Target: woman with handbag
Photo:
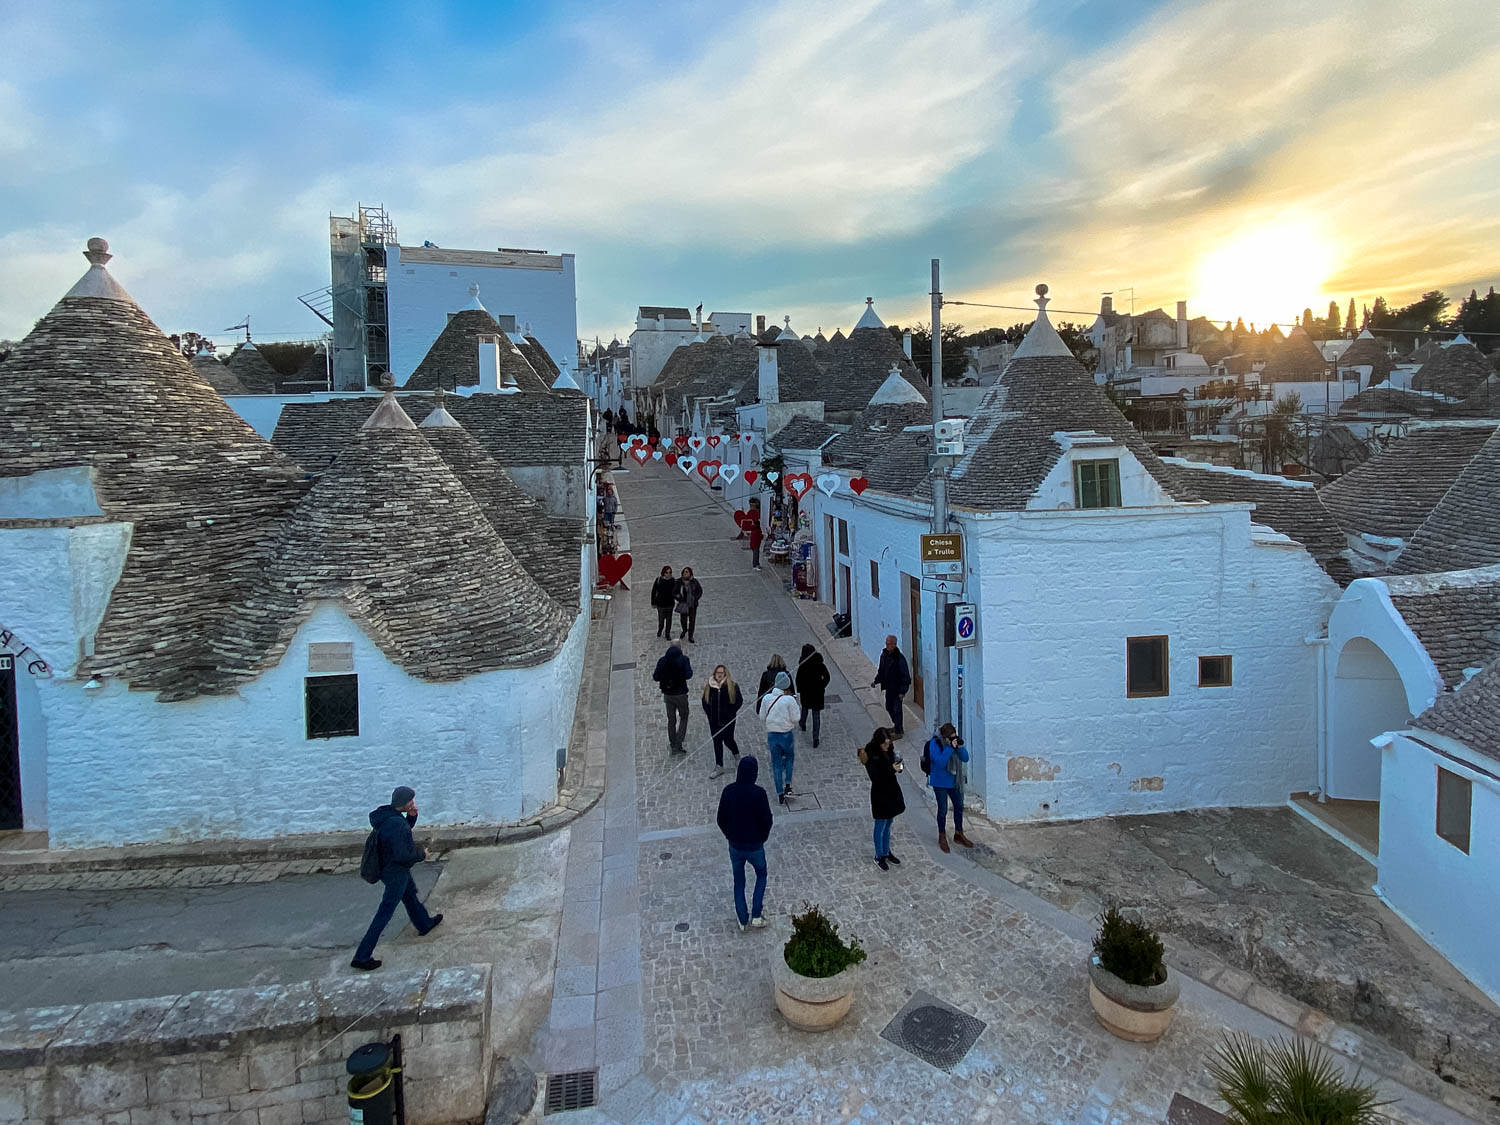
(879, 758)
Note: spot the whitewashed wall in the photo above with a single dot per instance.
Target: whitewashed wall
(122, 768)
(422, 295)
(1450, 898)
(1060, 592)
(649, 350)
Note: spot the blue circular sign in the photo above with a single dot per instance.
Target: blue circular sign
(965, 626)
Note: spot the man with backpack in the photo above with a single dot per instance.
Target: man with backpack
(941, 759)
(390, 853)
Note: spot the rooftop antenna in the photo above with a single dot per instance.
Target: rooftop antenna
(245, 326)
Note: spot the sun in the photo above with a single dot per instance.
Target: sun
(1266, 273)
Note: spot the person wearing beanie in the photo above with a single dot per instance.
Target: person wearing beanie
(779, 710)
(391, 826)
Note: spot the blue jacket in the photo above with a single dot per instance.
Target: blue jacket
(941, 754)
(673, 671)
(744, 809)
(393, 830)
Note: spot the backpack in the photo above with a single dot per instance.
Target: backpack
(369, 862)
(927, 756)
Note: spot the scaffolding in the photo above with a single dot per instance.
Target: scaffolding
(356, 303)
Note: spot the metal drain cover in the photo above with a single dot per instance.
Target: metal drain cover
(935, 1032)
(573, 1089)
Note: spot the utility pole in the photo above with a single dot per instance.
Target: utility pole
(940, 700)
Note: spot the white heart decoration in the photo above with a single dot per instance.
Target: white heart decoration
(729, 472)
(657, 455)
(686, 464)
(773, 477)
(828, 484)
(637, 439)
(696, 442)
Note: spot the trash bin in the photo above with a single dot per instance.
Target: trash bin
(372, 1085)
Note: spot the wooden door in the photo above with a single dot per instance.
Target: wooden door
(913, 642)
(10, 746)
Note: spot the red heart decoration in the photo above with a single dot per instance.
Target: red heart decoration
(671, 458)
(713, 440)
(739, 517)
(709, 469)
(799, 483)
(696, 442)
(734, 437)
(857, 485)
(681, 442)
(612, 568)
(751, 476)
(640, 453)
(654, 442)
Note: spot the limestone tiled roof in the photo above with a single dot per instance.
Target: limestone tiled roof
(872, 432)
(1010, 448)
(1453, 370)
(538, 357)
(1471, 714)
(453, 359)
(254, 370)
(218, 375)
(1295, 360)
(900, 467)
(1456, 616)
(96, 383)
(1463, 531)
(1483, 400)
(858, 368)
(1386, 399)
(801, 432)
(1291, 507)
(1393, 492)
(1368, 351)
(720, 367)
(520, 430)
(392, 536)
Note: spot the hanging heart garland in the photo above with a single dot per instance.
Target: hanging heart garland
(696, 442)
(708, 470)
(640, 454)
(687, 464)
(828, 483)
(656, 455)
(857, 485)
(751, 476)
(637, 439)
(713, 441)
(798, 484)
(729, 472)
(671, 458)
(747, 439)
(772, 478)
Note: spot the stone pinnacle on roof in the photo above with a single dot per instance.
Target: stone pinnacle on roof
(896, 389)
(1041, 337)
(1459, 339)
(786, 332)
(869, 319)
(474, 302)
(439, 418)
(98, 282)
(565, 382)
(389, 415)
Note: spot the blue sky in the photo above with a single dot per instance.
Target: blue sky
(778, 158)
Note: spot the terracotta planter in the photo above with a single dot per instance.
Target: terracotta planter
(1131, 1011)
(811, 1003)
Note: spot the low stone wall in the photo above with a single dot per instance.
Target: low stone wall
(249, 1056)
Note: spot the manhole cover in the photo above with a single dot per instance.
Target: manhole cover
(803, 802)
(681, 927)
(935, 1032)
(666, 855)
(574, 1089)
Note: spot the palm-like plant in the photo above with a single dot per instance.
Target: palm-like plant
(1289, 1082)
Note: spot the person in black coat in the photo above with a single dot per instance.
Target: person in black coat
(721, 703)
(663, 597)
(812, 681)
(745, 819)
(768, 678)
(894, 675)
(673, 671)
(886, 800)
(392, 825)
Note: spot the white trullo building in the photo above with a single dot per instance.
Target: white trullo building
(211, 646)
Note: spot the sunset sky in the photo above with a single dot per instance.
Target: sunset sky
(1253, 158)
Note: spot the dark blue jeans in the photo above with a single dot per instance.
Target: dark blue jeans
(893, 709)
(883, 837)
(401, 888)
(737, 861)
(944, 794)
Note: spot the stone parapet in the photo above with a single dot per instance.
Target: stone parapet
(257, 1056)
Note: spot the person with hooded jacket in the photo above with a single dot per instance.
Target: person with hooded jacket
(673, 671)
(745, 819)
(878, 756)
(812, 682)
(392, 825)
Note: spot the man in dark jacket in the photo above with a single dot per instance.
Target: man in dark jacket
(663, 596)
(673, 671)
(745, 820)
(392, 825)
(895, 676)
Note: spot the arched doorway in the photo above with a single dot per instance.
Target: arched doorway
(1368, 699)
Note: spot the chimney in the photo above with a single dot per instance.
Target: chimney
(1182, 324)
(906, 343)
(489, 364)
(698, 317)
(1106, 305)
(760, 325)
(661, 322)
(770, 384)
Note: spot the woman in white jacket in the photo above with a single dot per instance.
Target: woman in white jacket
(780, 711)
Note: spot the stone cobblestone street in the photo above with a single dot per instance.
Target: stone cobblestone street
(658, 988)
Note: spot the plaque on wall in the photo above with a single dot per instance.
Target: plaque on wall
(329, 658)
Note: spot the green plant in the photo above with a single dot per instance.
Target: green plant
(1129, 949)
(815, 948)
(1289, 1082)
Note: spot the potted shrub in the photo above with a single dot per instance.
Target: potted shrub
(813, 974)
(1132, 990)
(1289, 1080)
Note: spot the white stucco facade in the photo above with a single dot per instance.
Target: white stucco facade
(425, 284)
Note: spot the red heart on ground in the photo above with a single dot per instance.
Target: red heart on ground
(671, 458)
(739, 517)
(857, 485)
(612, 568)
(640, 453)
(713, 440)
(709, 469)
(799, 483)
(751, 476)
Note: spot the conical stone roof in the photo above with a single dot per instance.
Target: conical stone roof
(1366, 351)
(537, 356)
(1455, 370)
(253, 370)
(861, 365)
(1295, 360)
(96, 383)
(453, 359)
(218, 375)
(869, 318)
(392, 536)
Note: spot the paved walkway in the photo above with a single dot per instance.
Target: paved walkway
(656, 986)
